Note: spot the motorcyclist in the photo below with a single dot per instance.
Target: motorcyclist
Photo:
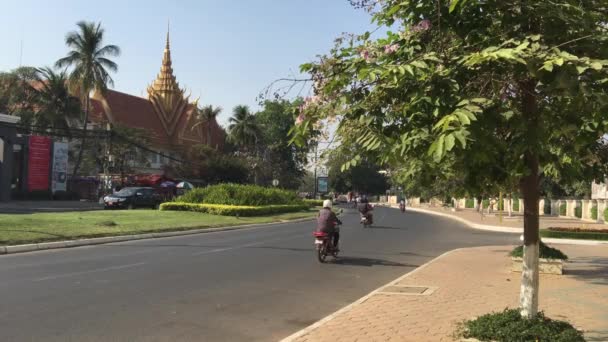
(365, 209)
(327, 222)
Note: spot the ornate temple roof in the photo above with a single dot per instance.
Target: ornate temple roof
(166, 95)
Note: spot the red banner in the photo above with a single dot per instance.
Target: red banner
(38, 165)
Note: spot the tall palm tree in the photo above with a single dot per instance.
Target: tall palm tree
(243, 128)
(88, 58)
(56, 106)
(206, 115)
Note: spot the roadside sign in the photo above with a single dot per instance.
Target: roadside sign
(322, 184)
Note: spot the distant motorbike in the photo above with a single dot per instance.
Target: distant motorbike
(402, 207)
(367, 220)
(324, 245)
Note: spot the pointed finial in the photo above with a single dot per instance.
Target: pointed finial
(168, 29)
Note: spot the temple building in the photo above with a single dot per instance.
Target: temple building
(167, 114)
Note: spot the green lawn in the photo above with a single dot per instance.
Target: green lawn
(29, 228)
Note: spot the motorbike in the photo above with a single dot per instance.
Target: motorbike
(324, 245)
(367, 220)
(402, 207)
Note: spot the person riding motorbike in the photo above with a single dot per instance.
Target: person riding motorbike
(327, 222)
(365, 209)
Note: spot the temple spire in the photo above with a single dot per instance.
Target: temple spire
(167, 45)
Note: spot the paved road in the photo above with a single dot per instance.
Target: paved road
(253, 284)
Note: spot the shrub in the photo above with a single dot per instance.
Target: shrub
(469, 203)
(562, 209)
(515, 206)
(243, 195)
(508, 325)
(578, 212)
(606, 215)
(594, 212)
(313, 202)
(547, 207)
(486, 203)
(582, 235)
(233, 210)
(546, 252)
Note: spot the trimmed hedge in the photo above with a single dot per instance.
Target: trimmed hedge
(594, 212)
(314, 202)
(469, 203)
(241, 195)
(562, 209)
(515, 206)
(606, 215)
(233, 210)
(573, 235)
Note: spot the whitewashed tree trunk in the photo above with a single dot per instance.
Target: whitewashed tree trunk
(528, 298)
(510, 210)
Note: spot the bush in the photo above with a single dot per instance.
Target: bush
(578, 212)
(606, 215)
(547, 207)
(314, 203)
(562, 209)
(242, 195)
(469, 203)
(485, 203)
(233, 210)
(582, 235)
(594, 212)
(546, 252)
(510, 326)
(515, 206)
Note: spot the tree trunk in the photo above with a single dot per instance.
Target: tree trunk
(84, 135)
(529, 185)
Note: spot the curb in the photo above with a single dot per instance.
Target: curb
(508, 229)
(122, 238)
(347, 308)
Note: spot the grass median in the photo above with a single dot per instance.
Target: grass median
(45, 227)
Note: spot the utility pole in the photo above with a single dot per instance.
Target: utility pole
(316, 182)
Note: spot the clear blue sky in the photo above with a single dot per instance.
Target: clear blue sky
(225, 51)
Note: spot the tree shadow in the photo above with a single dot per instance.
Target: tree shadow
(387, 227)
(292, 249)
(369, 262)
(593, 270)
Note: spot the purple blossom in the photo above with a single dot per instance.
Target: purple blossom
(365, 55)
(300, 119)
(388, 49)
(422, 26)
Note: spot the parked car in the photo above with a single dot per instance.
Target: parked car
(133, 197)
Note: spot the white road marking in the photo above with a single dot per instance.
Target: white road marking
(112, 268)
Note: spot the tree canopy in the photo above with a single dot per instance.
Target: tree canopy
(498, 91)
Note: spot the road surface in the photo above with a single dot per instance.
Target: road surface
(255, 284)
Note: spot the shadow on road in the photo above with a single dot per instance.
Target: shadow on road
(386, 227)
(368, 262)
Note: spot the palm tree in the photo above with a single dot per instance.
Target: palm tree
(243, 129)
(207, 115)
(90, 65)
(56, 106)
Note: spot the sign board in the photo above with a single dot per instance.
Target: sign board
(38, 165)
(60, 167)
(322, 184)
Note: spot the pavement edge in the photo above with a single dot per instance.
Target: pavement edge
(350, 306)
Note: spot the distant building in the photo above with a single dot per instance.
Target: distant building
(167, 114)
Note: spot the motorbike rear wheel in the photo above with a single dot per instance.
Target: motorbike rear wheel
(322, 252)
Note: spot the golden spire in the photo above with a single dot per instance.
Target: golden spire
(167, 97)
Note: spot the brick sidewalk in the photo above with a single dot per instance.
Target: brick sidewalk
(517, 220)
(470, 282)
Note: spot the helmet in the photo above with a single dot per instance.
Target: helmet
(327, 204)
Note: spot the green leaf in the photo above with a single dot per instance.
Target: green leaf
(409, 69)
(507, 115)
(453, 5)
(439, 149)
(596, 66)
(449, 142)
(461, 138)
(581, 69)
